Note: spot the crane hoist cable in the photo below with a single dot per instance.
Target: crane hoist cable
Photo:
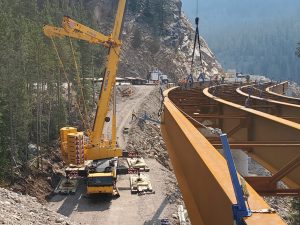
(196, 39)
(67, 79)
(79, 83)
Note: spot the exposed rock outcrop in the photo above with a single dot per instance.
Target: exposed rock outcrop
(165, 43)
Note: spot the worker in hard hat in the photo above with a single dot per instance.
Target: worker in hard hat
(190, 80)
(201, 78)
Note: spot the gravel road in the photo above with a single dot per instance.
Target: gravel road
(125, 107)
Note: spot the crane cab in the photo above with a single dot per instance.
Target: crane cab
(102, 176)
(100, 183)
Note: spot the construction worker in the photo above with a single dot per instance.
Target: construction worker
(133, 116)
(190, 80)
(216, 79)
(184, 83)
(210, 81)
(180, 84)
(248, 101)
(201, 77)
(222, 79)
(248, 79)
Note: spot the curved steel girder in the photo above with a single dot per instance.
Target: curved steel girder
(240, 91)
(279, 90)
(203, 175)
(286, 109)
(265, 127)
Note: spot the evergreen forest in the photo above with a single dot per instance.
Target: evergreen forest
(35, 97)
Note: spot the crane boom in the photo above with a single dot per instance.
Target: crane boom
(73, 29)
(109, 79)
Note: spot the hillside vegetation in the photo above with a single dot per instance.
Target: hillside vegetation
(33, 102)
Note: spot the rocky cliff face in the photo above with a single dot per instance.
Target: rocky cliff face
(156, 34)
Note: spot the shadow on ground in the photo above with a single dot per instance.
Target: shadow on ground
(155, 219)
(80, 202)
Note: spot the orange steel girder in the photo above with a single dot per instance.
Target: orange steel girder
(223, 116)
(265, 127)
(203, 175)
(279, 91)
(282, 106)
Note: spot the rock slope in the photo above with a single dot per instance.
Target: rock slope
(16, 209)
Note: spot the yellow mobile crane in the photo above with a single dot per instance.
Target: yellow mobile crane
(95, 159)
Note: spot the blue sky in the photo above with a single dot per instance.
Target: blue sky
(189, 6)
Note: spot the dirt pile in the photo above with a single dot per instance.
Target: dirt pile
(40, 182)
(22, 209)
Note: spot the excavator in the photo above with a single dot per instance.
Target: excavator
(94, 157)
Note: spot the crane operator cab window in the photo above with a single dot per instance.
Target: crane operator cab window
(100, 181)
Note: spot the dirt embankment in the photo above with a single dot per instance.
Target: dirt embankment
(39, 183)
(147, 139)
